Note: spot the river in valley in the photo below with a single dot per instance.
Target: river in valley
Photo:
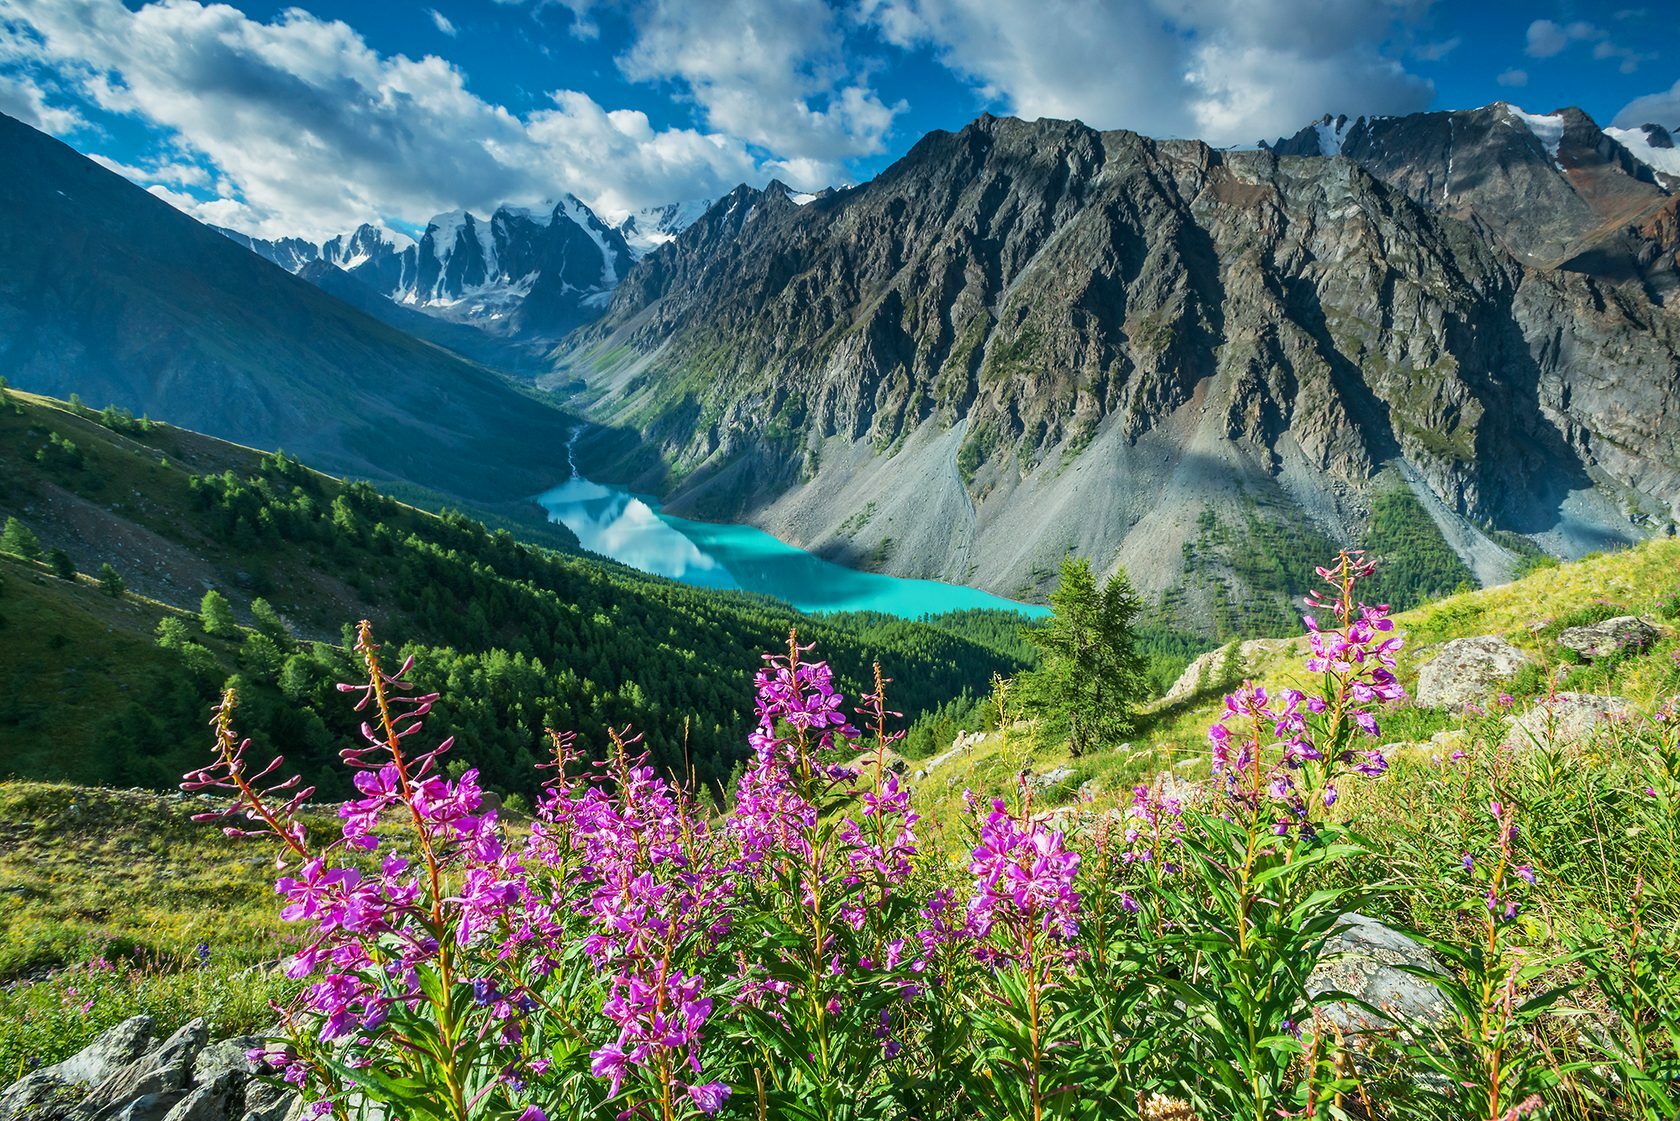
(632, 530)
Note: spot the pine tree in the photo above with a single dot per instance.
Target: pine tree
(111, 581)
(267, 619)
(19, 540)
(1092, 676)
(63, 567)
(215, 614)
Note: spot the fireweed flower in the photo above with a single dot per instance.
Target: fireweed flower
(1023, 879)
(1154, 834)
(1286, 750)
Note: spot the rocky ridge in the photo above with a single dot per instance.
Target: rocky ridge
(1554, 189)
(1026, 338)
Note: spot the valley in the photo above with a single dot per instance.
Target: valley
(673, 580)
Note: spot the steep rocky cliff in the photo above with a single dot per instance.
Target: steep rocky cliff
(1029, 337)
(1554, 189)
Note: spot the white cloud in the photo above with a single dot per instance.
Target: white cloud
(1513, 77)
(1548, 37)
(577, 137)
(772, 72)
(1654, 108)
(21, 96)
(1228, 71)
(1627, 59)
(174, 174)
(1435, 52)
(442, 22)
(313, 131)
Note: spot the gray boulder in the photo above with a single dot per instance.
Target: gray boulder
(1468, 669)
(150, 1086)
(1621, 635)
(117, 1048)
(121, 1076)
(1565, 719)
(39, 1096)
(1364, 960)
(214, 1100)
(54, 1092)
(265, 1101)
(1049, 780)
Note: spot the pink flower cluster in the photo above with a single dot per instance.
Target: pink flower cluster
(1023, 878)
(1290, 748)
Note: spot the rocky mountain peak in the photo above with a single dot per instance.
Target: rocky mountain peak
(1025, 337)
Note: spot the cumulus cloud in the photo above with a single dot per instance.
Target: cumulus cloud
(773, 72)
(1654, 108)
(314, 131)
(1228, 71)
(299, 126)
(21, 96)
(1548, 39)
(173, 174)
(1514, 78)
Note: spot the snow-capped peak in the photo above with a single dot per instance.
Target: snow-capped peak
(597, 230)
(540, 214)
(1651, 145)
(1547, 128)
(647, 229)
(367, 241)
(1332, 132)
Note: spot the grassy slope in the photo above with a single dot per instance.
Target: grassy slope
(100, 650)
(108, 897)
(128, 505)
(125, 877)
(1528, 612)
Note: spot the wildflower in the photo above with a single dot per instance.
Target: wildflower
(708, 1097)
(1023, 876)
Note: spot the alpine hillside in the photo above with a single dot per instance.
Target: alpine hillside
(1025, 338)
(112, 294)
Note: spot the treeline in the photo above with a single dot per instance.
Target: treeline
(518, 638)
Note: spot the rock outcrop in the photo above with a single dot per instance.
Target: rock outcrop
(1564, 719)
(126, 1075)
(1466, 670)
(1218, 669)
(1364, 960)
(1623, 634)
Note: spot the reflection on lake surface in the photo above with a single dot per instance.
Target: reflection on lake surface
(631, 530)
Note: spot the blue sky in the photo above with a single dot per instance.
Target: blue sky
(310, 118)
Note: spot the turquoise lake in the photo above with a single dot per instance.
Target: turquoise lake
(633, 531)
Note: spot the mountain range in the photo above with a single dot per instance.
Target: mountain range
(1022, 338)
(1025, 338)
(519, 279)
(1555, 190)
